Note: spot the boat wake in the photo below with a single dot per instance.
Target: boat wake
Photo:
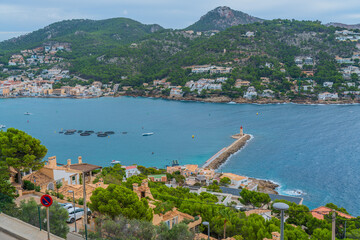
(295, 192)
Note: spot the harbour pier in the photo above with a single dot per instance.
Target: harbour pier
(220, 157)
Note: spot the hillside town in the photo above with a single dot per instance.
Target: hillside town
(32, 81)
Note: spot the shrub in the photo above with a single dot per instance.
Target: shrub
(28, 185)
(80, 201)
(37, 188)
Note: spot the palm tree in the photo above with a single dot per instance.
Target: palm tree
(225, 213)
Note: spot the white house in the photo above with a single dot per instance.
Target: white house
(268, 93)
(328, 84)
(327, 96)
(131, 171)
(250, 93)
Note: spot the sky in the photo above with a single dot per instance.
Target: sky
(22, 16)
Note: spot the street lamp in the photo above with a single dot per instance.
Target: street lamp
(71, 191)
(282, 207)
(207, 224)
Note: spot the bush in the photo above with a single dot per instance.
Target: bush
(80, 201)
(28, 185)
(61, 196)
(37, 188)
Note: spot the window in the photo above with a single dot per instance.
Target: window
(167, 223)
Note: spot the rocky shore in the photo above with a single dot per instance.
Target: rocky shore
(266, 186)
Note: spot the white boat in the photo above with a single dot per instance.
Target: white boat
(27, 113)
(2, 126)
(115, 162)
(148, 134)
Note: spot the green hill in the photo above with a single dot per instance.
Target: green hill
(115, 31)
(221, 18)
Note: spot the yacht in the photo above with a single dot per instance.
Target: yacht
(148, 134)
(27, 113)
(2, 126)
(115, 162)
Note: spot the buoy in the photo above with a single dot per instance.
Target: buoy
(193, 136)
(28, 121)
(257, 113)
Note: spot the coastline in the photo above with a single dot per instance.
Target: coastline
(221, 157)
(225, 99)
(215, 99)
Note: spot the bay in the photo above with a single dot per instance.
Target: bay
(312, 148)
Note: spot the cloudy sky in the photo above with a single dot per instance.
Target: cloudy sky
(22, 16)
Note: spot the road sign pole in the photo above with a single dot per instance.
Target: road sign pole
(48, 222)
(39, 217)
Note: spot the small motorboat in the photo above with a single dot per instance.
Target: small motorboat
(124, 132)
(2, 126)
(148, 134)
(110, 132)
(69, 133)
(27, 113)
(85, 134)
(115, 162)
(71, 130)
(80, 131)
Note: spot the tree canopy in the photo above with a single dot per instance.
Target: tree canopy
(118, 200)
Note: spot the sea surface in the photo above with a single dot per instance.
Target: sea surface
(311, 148)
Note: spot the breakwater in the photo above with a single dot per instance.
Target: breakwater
(220, 157)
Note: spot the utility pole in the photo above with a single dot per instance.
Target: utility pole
(85, 209)
(333, 225)
(345, 230)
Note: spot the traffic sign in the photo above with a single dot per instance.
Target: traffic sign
(46, 200)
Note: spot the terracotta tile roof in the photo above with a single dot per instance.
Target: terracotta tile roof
(233, 176)
(320, 212)
(191, 167)
(84, 167)
(130, 167)
(39, 177)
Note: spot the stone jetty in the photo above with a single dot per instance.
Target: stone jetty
(220, 157)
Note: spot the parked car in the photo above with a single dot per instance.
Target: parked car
(66, 205)
(76, 212)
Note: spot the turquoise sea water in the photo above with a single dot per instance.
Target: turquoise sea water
(312, 148)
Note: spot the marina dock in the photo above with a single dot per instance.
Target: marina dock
(220, 157)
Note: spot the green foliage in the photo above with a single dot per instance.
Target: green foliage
(118, 200)
(256, 199)
(21, 151)
(214, 187)
(179, 231)
(80, 201)
(163, 207)
(214, 21)
(28, 185)
(333, 206)
(28, 212)
(225, 181)
(149, 171)
(122, 228)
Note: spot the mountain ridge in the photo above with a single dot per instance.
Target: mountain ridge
(222, 18)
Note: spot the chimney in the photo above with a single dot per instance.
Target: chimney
(69, 162)
(52, 162)
(80, 159)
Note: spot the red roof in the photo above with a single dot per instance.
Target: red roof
(130, 167)
(320, 212)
